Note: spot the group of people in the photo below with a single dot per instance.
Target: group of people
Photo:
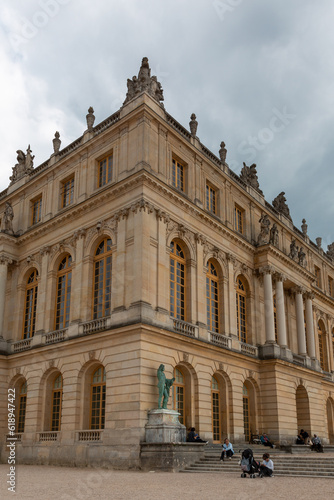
(304, 438)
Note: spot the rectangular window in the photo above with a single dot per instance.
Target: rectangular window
(330, 287)
(211, 199)
(105, 171)
(317, 273)
(67, 192)
(178, 175)
(239, 219)
(36, 211)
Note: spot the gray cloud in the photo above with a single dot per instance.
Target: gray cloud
(234, 63)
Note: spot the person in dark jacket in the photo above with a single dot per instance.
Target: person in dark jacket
(193, 437)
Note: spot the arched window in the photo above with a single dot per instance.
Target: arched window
(30, 306)
(241, 310)
(212, 309)
(177, 282)
(63, 299)
(333, 342)
(57, 396)
(245, 405)
(322, 347)
(215, 410)
(98, 399)
(102, 279)
(178, 394)
(22, 408)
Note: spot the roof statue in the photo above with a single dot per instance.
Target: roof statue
(330, 251)
(263, 237)
(193, 124)
(144, 83)
(223, 152)
(56, 143)
(23, 166)
(279, 203)
(249, 176)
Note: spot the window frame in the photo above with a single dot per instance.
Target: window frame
(239, 219)
(210, 301)
(36, 209)
(55, 422)
(211, 198)
(107, 173)
(178, 181)
(101, 400)
(241, 296)
(64, 191)
(179, 389)
(67, 272)
(30, 306)
(97, 259)
(176, 286)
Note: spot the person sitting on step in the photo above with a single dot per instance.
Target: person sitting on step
(316, 444)
(228, 449)
(193, 437)
(266, 441)
(267, 466)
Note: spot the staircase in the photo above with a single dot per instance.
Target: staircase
(306, 464)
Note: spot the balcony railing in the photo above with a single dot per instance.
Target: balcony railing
(48, 436)
(22, 345)
(56, 336)
(14, 437)
(298, 360)
(89, 435)
(249, 349)
(96, 325)
(185, 328)
(221, 340)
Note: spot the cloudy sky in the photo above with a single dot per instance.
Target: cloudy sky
(258, 74)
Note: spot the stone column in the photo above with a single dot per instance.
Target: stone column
(280, 311)
(300, 321)
(310, 324)
(162, 265)
(268, 304)
(41, 295)
(77, 282)
(118, 281)
(232, 313)
(4, 262)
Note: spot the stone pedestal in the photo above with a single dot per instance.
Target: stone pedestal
(163, 426)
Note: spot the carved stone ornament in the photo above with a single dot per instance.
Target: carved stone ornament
(56, 143)
(23, 166)
(223, 153)
(144, 83)
(185, 357)
(302, 257)
(249, 176)
(263, 237)
(91, 354)
(293, 250)
(330, 251)
(51, 363)
(273, 238)
(279, 203)
(193, 124)
(304, 227)
(8, 218)
(90, 119)
(319, 241)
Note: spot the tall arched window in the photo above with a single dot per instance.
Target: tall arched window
(30, 306)
(178, 394)
(322, 347)
(22, 408)
(241, 310)
(333, 342)
(245, 405)
(57, 396)
(102, 279)
(98, 399)
(177, 282)
(63, 299)
(215, 410)
(212, 298)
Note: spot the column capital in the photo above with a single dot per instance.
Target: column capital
(298, 290)
(266, 270)
(44, 250)
(280, 276)
(5, 260)
(309, 295)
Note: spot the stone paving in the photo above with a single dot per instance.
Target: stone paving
(65, 483)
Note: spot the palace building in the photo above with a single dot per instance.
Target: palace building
(134, 246)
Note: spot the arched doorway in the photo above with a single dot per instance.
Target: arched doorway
(303, 409)
(330, 419)
(249, 403)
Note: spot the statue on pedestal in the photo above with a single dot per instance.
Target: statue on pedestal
(263, 237)
(164, 386)
(8, 218)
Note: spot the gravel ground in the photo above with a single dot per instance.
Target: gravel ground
(66, 483)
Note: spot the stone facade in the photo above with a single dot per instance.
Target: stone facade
(256, 356)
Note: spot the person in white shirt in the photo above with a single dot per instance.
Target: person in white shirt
(267, 466)
(228, 449)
